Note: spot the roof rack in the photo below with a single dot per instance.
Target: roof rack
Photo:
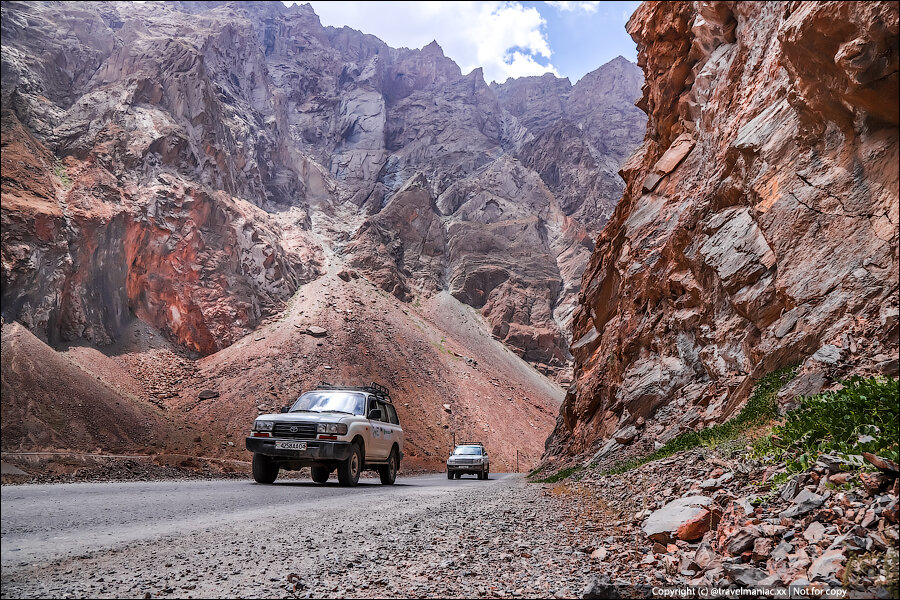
(372, 388)
(471, 444)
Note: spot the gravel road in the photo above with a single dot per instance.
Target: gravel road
(424, 537)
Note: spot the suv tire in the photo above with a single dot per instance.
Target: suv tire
(320, 474)
(449, 474)
(348, 471)
(388, 472)
(264, 470)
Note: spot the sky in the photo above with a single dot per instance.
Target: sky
(506, 39)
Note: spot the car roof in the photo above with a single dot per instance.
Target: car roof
(379, 391)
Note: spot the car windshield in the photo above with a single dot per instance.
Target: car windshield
(331, 401)
(467, 450)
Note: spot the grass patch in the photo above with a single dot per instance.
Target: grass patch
(536, 471)
(860, 417)
(759, 409)
(560, 475)
(60, 169)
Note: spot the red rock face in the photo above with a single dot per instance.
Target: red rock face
(758, 228)
(82, 253)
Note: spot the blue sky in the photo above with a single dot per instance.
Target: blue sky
(507, 39)
(582, 40)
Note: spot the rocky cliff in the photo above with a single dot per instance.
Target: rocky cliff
(759, 226)
(192, 164)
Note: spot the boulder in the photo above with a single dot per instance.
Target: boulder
(685, 519)
(626, 435)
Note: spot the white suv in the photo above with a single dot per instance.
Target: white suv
(332, 427)
(469, 457)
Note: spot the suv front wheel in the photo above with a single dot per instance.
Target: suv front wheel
(348, 471)
(264, 469)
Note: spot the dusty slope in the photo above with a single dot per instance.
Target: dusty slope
(429, 355)
(50, 401)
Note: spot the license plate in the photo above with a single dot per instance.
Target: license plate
(290, 445)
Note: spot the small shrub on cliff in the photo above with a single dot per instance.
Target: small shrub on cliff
(860, 417)
(60, 169)
(759, 409)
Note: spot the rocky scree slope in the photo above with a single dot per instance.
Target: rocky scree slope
(759, 226)
(151, 154)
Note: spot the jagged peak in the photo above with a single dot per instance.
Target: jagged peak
(433, 48)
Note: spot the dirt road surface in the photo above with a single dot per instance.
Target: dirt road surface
(426, 536)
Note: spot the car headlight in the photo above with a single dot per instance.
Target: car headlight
(332, 428)
(263, 425)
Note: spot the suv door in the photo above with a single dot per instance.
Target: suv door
(392, 431)
(377, 449)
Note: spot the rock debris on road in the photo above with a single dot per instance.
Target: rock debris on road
(427, 537)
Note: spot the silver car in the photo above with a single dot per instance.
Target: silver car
(471, 458)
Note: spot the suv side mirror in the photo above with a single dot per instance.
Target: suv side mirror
(285, 409)
(375, 414)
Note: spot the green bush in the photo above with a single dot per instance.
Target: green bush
(860, 417)
(759, 409)
(60, 169)
(561, 474)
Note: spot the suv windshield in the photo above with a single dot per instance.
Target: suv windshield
(467, 450)
(331, 401)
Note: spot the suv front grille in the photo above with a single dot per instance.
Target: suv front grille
(299, 431)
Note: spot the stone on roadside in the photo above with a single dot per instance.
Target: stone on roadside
(762, 548)
(685, 518)
(600, 587)
(815, 532)
(316, 331)
(208, 394)
(743, 575)
(827, 566)
(704, 555)
(741, 540)
(803, 503)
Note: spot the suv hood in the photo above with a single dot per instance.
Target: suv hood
(306, 417)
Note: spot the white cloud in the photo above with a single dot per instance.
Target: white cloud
(505, 38)
(588, 7)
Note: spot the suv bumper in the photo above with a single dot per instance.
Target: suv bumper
(316, 450)
(466, 469)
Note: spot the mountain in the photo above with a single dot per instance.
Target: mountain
(759, 225)
(258, 106)
(195, 167)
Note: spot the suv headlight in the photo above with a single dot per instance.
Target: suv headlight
(332, 428)
(263, 425)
